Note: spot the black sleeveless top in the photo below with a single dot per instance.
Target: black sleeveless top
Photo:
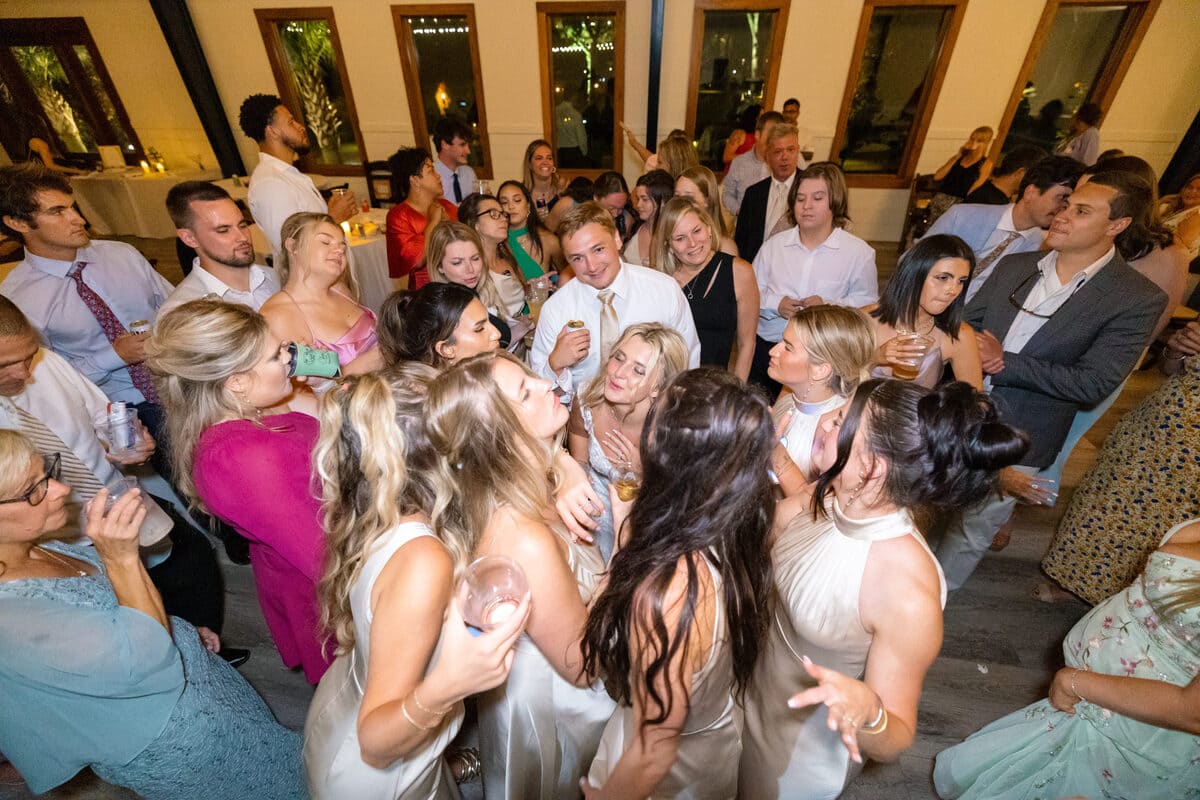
(714, 309)
(959, 179)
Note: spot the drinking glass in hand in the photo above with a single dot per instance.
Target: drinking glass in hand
(490, 591)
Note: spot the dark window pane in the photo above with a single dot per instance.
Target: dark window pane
(734, 64)
(582, 64)
(57, 97)
(901, 48)
(1080, 41)
(447, 78)
(313, 62)
(97, 86)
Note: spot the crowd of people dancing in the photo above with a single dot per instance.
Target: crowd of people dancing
(733, 482)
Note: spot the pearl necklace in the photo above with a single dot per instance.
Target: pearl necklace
(56, 557)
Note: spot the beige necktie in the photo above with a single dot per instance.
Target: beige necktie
(610, 326)
(74, 472)
(990, 256)
(776, 208)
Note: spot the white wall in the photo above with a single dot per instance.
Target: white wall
(1152, 110)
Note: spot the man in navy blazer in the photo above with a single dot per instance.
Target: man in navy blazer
(996, 231)
(1058, 332)
(764, 206)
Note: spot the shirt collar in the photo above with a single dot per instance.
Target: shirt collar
(441, 168)
(787, 183)
(1048, 262)
(619, 286)
(59, 269)
(277, 164)
(833, 241)
(216, 286)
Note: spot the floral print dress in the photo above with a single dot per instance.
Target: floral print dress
(1039, 752)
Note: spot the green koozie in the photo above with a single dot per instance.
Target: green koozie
(305, 360)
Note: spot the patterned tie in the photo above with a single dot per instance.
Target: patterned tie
(990, 256)
(610, 326)
(113, 329)
(776, 209)
(75, 472)
(457, 188)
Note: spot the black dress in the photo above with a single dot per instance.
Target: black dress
(713, 301)
(959, 179)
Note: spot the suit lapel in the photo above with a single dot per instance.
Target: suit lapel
(1092, 295)
(1004, 312)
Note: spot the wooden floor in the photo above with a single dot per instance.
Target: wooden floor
(1001, 646)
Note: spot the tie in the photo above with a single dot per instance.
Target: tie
(457, 188)
(610, 327)
(776, 208)
(990, 256)
(74, 471)
(113, 329)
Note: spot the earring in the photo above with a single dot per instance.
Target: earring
(855, 493)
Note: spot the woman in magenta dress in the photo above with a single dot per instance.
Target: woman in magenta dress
(316, 306)
(417, 185)
(242, 444)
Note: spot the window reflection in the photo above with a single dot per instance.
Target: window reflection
(901, 50)
(582, 80)
(57, 96)
(313, 64)
(1080, 43)
(734, 68)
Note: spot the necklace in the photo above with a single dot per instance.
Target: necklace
(687, 287)
(932, 322)
(56, 557)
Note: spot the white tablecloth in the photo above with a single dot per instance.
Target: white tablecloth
(130, 203)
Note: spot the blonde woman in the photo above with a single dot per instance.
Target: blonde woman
(496, 427)
(606, 424)
(392, 701)
(720, 288)
(315, 306)
(701, 186)
(454, 253)
(825, 353)
(242, 453)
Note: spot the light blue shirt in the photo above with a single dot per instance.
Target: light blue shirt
(122, 278)
(467, 182)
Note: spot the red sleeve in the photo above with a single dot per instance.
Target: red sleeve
(405, 237)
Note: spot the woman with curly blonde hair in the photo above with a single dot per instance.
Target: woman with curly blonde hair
(392, 701)
(496, 429)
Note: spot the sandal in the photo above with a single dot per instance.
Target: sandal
(464, 764)
(1002, 537)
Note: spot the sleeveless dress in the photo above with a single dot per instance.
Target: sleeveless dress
(332, 755)
(798, 439)
(85, 681)
(511, 292)
(819, 567)
(1042, 752)
(530, 267)
(929, 374)
(633, 252)
(358, 339)
(713, 301)
(712, 732)
(537, 732)
(601, 473)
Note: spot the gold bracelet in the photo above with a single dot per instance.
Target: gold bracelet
(878, 725)
(421, 706)
(1075, 691)
(413, 722)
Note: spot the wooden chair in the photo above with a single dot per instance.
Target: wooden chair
(379, 184)
(916, 218)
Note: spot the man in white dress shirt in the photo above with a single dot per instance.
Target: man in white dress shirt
(208, 221)
(814, 261)
(82, 296)
(452, 143)
(994, 232)
(277, 188)
(751, 166)
(606, 296)
(48, 401)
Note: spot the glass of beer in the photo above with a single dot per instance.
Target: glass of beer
(627, 486)
(906, 369)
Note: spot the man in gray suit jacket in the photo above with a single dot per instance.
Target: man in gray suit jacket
(995, 231)
(1057, 333)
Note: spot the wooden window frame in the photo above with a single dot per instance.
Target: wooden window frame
(916, 140)
(267, 20)
(1112, 72)
(777, 37)
(545, 54)
(63, 34)
(402, 19)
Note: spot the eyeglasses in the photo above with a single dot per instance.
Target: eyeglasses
(494, 213)
(1012, 298)
(35, 494)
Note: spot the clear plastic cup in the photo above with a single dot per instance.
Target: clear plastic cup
(117, 487)
(490, 591)
(119, 430)
(907, 369)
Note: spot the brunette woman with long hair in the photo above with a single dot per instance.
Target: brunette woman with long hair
(680, 626)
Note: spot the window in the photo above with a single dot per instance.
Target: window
(439, 49)
(53, 85)
(736, 46)
(306, 57)
(583, 76)
(900, 59)
(1079, 55)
